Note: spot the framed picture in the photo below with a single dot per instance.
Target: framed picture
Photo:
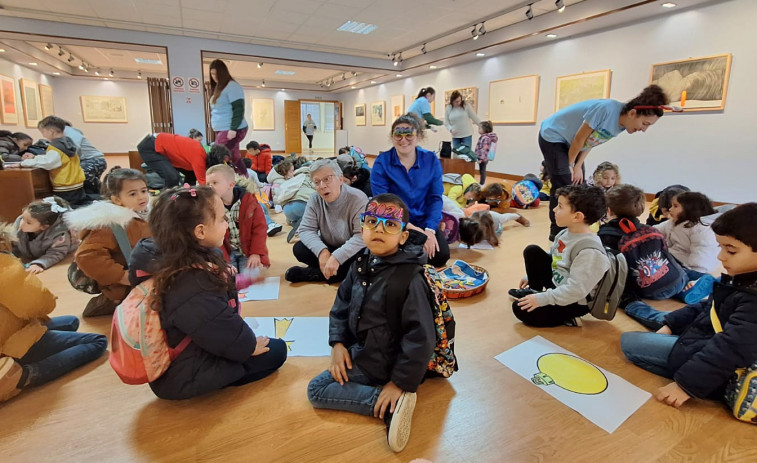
(46, 100)
(338, 115)
(580, 87)
(103, 108)
(8, 106)
(263, 114)
(378, 113)
(470, 96)
(30, 102)
(398, 106)
(514, 101)
(360, 114)
(696, 84)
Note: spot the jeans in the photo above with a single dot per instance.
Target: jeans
(358, 395)
(646, 315)
(670, 291)
(649, 351)
(260, 366)
(58, 352)
(238, 260)
(462, 141)
(268, 219)
(310, 141)
(233, 145)
(303, 254)
(294, 210)
(63, 323)
(557, 166)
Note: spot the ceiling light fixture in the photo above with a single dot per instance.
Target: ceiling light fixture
(61, 52)
(97, 72)
(70, 58)
(263, 84)
(139, 74)
(56, 73)
(479, 54)
(530, 12)
(111, 72)
(423, 49)
(373, 82)
(551, 36)
(260, 65)
(2, 50)
(283, 90)
(560, 6)
(668, 5)
(482, 29)
(353, 87)
(49, 46)
(398, 75)
(32, 63)
(432, 67)
(474, 33)
(81, 65)
(354, 73)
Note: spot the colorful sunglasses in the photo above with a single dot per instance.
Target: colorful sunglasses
(391, 226)
(407, 132)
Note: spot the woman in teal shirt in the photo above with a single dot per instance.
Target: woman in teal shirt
(227, 112)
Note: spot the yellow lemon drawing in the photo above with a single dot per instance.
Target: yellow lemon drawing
(281, 326)
(571, 373)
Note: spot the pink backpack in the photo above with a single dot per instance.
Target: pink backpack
(139, 353)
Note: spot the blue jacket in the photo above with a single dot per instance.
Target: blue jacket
(420, 188)
(702, 362)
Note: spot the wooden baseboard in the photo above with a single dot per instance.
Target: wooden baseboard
(116, 154)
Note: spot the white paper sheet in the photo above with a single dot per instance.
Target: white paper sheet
(305, 336)
(605, 399)
(266, 290)
(483, 245)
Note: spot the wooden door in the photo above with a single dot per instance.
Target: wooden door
(292, 127)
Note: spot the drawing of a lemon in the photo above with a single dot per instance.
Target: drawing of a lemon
(571, 373)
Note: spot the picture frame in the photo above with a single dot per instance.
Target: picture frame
(30, 102)
(704, 81)
(338, 115)
(514, 100)
(398, 106)
(583, 86)
(378, 113)
(360, 114)
(263, 114)
(469, 94)
(8, 106)
(107, 109)
(46, 100)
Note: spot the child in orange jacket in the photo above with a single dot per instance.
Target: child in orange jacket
(262, 160)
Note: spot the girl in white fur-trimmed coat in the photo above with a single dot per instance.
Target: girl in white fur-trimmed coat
(99, 255)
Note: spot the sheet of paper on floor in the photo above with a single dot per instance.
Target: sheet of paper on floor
(483, 245)
(305, 336)
(605, 399)
(266, 290)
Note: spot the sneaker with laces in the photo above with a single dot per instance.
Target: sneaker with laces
(574, 322)
(303, 275)
(99, 305)
(10, 375)
(520, 293)
(398, 423)
(274, 228)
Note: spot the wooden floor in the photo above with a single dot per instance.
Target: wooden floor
(484, 413)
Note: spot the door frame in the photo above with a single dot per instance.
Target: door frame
(310, 100)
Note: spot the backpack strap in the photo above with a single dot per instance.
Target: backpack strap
(396, 293)
(587, 243)
(627, 226)
(174, 352)
(123, 241)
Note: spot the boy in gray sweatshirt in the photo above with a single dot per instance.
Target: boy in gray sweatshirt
(557, 283)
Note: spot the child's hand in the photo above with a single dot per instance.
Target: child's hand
(665, 330)
(254, 261)
(233, 270)
(388, 397)
(12, 166)
(35, 269)
(523, 283)
(340, 362)
(528, 303)
(331, 267)
(27, 156)
(672, 395)
(262, 346)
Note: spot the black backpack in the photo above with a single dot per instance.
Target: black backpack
(446, 150)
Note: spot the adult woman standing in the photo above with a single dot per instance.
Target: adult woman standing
(309, 128)
(415, 175)
(566, 137)
(457, 117)
(421, 107)
(227, 112)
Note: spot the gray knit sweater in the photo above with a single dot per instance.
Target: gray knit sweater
(335, 224)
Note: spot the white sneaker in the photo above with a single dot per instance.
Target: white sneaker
(277, 209)
(398, 432)
(274, 228)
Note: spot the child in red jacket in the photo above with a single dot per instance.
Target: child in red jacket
(262, 160)
(245, 242)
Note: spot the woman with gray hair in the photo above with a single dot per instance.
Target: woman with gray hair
(330, 230)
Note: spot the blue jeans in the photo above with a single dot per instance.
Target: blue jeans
(462, 141)
(63, 323)
(294, 210)
(268, 220)
(649, 351)
(58, 352)
(358, 395)
(646, 315)
(238, 260)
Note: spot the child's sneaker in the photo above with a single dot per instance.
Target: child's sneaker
(520, 293)
(575, 322)
(274, 228)
(10, 375)
(277, 209)
(303, 275)
(398, 423)
(700, 289)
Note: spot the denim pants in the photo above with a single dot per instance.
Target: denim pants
(462, 141)
(358, 395)
(238, 260)
(268, 219)
(59, 352)
(649, 351)
(646, 315)
(294, 210)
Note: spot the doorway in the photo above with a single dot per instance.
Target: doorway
(324, 134)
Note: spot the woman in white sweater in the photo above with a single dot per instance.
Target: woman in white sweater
(458, 117)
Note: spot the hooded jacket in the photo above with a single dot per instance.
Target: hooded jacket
(456, 191)
(196, 307)
(9, 149)
(61, 160)
(695, 247)
(47, 247)
(358, 319)
(297, 188)
(263, 161)
(483, 146)
(99, 256)
(252, 227)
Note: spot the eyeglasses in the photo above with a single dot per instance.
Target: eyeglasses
(326, 181)
(391, 226)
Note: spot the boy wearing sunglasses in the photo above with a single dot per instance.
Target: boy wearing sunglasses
(373, 371)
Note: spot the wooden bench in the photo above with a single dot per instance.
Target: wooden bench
(19, 187)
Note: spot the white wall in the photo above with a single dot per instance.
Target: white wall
(711, 152)
(16, 72)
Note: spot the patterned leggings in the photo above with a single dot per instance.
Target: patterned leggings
(93, 169)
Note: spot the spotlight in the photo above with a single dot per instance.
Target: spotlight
(49, 46)
(97, 72)
(395, 60)
(474, 33)
(81, 65)
(354, 73)
(111, 72)
(482, 29)
(260, 65)
(263, 84)
(139, 74)
(70, 58)
(60, 51)
(344, 76)
(529, 12)
(86, 68)
(560, 6)
(423, 49)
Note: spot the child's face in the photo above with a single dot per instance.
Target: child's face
(608, 178)
(48, 133)
(347, 180)
(377, 239)
(210, 234)
(564, 214)
(133, 195)
(221, 185)
(289, 174)
(470, 196)
(481, 131)
(737, 257)
(31, 225)
(23, 145)
(675, 210)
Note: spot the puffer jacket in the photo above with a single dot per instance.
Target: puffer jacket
(47, 247)
(297, 188)
(9, 150)
(358, 320)
(99, 256)
(24, 305)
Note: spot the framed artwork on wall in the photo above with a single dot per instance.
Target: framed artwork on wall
(338, 115)
(398, 106)
(469, 94)
(103, 108)
(378, 113)
(580, 87)
(46, 100)
(695, 84)
(30, 102)
(8, 106)
(263, 114)
(514, 101)
(360, 114)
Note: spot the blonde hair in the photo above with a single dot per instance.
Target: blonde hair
(226, 171)
(604, 167)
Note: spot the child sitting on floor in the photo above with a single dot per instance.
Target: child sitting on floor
(372, 372)
(43, 238)
(606, 176)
